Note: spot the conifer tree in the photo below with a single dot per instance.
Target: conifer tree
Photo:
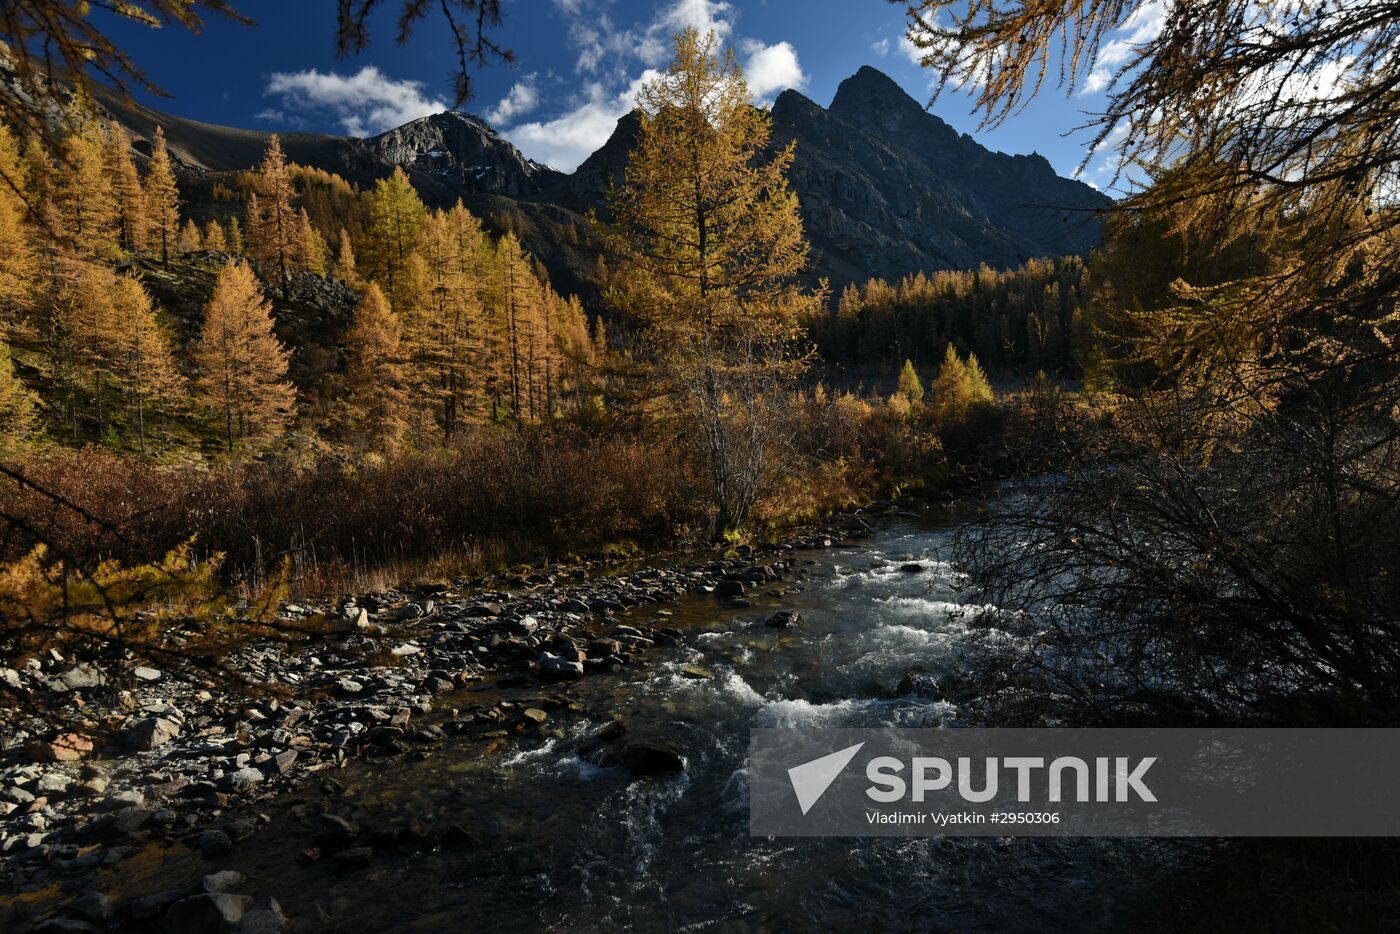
(242, 365)
(132, 225)
(143, 360)
(275, 236)
(83, 196)
(395, 230)
(235, 236)
(374, 376)
(313, 246)
(190, 241)
(162, 199)
(18, 405)
(18, 264)
(81, 341)
(344, 269)
(959, 387)
(710, 242)
(214, 240)
(909, 386)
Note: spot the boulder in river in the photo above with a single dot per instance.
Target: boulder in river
(784, 618)
(913, 567)
(729, 588)
(553, 668)
(652, 757)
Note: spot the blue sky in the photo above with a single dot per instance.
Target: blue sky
(579, 63)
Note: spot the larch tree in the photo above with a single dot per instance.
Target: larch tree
(81, 343)
(130, 199)
(709, 241)
(18, 264)
(444, 323)
(395, 229)
(344, 268)
(242, 365)
(18, 405)
(162, 199)
(960, 386)
(909, 386)
(83, 196)
(276, 237)
(313, 246)
(373, 414)
(214, 239)
(189, 240)
(143, 361)
(235, 236)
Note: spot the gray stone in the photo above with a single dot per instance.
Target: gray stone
(215, 843)
(226, 881)
(210, 913)
(151, 733)
(784, 618)
(243, 780)
(144, 673)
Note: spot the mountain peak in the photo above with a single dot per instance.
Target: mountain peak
(870, 86)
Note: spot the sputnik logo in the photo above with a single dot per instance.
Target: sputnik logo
(810, 780)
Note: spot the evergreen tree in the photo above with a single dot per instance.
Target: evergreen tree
(162, 199)
(374, 376)
(242, 365)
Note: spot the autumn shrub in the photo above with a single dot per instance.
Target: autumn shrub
(535, 494)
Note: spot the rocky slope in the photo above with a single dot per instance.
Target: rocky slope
(886, 188)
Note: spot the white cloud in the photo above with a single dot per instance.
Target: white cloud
(880, 47)
(364, 103)
(570, 138)
(522, 99)
(771, 68)
(1141, 27)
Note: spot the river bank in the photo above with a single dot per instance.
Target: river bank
(183, 764)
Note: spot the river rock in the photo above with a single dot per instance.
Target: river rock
(151, 733)
(214, 843)
(784, 618)
(210, 913)
(696, 673)
(652, 757)
(226, 881)
(730, 588)
(266, 919)
(913, 567)
(334, 831)
(553, 669)
(242, 780)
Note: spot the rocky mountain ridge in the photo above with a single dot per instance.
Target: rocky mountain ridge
(886, 188)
